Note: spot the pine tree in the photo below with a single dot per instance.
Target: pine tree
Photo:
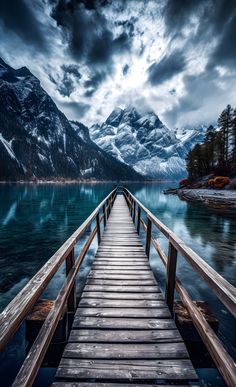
(224, 123)
(214, 153)
(210, 147)
(233, 135)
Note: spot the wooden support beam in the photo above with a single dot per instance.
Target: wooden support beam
(71, 302)
(138, 219)
(98, 228)
(134, 213)
(148, 237)
(170, 276)
(104, 215)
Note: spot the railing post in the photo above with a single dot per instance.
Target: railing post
(134, 213)
(104, 215)
(71, 302)
(131, 207)
(138, 220)
(98, 228)
(170, 276)
(148, 237)
(108, 208)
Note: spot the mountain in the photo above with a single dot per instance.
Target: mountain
(189, 136)
(143, 142)
(38, 142)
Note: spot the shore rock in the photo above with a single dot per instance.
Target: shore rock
(218, 198)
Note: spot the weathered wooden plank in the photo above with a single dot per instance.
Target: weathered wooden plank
(123, 296)
(119, 282)
(123, 323)
(121, 288)
(122, 257)
(112, 364)
(162, 370)
(124, 267)
(125, 336)
(91, 384)
(98, 274)
(125, 351)
(112, 270)
(115, 236)
(119, 242)
(127, 232)
(103, 303)
(161, 312)
(119, 248)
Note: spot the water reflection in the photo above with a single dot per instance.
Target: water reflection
(34, 221)
(212, 234)
(217, 232)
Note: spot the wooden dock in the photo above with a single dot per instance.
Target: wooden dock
(123, 330)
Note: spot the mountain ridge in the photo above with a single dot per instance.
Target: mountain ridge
(144, 143)
(37, 141)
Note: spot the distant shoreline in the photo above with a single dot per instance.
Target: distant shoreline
(83, 181)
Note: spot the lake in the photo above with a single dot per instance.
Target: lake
(36, 219)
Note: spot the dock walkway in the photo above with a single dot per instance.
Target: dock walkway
(123, 332)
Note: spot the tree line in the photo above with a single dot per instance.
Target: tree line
(218, 151)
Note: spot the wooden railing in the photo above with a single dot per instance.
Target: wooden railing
(22, 304)
(225, 292)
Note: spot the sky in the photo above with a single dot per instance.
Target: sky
(175, 57)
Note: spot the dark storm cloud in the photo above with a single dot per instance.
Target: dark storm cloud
(225, 52)
(128, 25)
(94, 82)
(87, 32)
(125, 69)
(216, 20)
(67, 82)
(18, 17)
(168, 66)
(71, 69)
(172, 91)
(199, 89)
(178, 12)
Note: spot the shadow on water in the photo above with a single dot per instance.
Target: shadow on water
(36, 219)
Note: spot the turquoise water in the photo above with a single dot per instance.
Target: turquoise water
(36, 219)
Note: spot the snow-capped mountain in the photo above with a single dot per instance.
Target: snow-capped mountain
(38, 142)
(145, 143)
(189, 136)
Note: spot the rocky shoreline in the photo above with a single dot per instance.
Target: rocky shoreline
(211, 197)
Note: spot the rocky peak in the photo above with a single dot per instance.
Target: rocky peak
(130, 115)
(115, 117)
(143, 142)
(38, 142)
(8, 74)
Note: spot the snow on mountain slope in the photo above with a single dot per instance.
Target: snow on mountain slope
(38, 142)
(145, 143)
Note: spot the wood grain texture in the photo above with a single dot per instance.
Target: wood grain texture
(123, 296)
(124, 336)
(123, 330)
